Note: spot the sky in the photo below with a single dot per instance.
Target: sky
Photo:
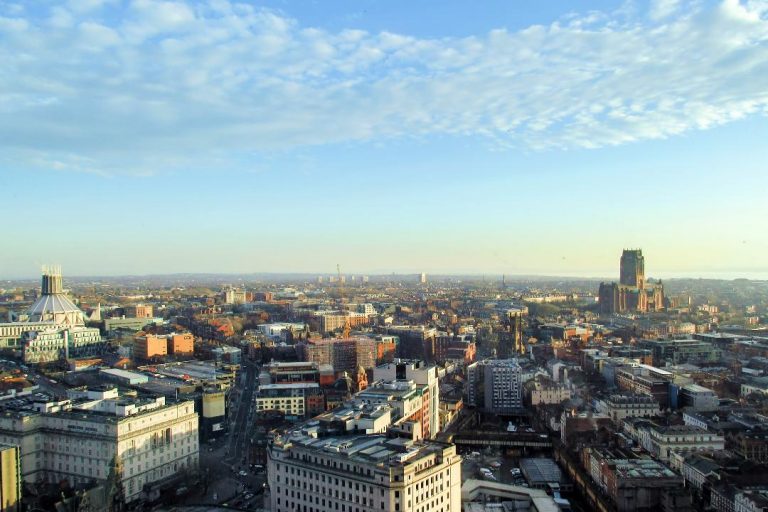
(150, 137)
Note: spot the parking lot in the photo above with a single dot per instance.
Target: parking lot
(491, 464)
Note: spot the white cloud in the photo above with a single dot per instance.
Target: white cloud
(661, 9)
(177, 84)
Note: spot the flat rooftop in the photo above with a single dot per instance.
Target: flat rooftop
(642, 468)
(291, 385)
(371, 449)
(541, 470)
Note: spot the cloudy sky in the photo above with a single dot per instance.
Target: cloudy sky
(143, 136)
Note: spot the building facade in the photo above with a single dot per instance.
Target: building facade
(620, 407)
(56, 344)
(79, 439)
(420, 373)
(295, 400)
(363, 474)
(495, 385)
(10, 478)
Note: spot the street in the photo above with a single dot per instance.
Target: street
(228, 478)
(241, 427)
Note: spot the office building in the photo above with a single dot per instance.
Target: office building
(181, 344)
(698, 398)
(416, 342)
(295, 400)
(409, 403)
(362, 474)
(495, 385)
(676, 352)
(420, 373)
(645, 380)
(150, 347)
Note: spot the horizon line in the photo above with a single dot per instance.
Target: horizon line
(703, 275)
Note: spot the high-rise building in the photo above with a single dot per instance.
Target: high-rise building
(423, 278)
(368, 473)
(495, 385)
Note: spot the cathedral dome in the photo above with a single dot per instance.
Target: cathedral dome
(53, 305)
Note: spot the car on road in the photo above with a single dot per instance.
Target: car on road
(243, 472)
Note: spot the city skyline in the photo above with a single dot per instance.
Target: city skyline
(151, 137)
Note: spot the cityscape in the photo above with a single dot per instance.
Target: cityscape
(383, 256)
(384, 392)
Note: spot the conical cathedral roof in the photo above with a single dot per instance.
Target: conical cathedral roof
(53, 305)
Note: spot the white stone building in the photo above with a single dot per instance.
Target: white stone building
(362, 474)
(77, 439)
(622, 406)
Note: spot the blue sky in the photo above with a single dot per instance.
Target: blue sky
(151, 137)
